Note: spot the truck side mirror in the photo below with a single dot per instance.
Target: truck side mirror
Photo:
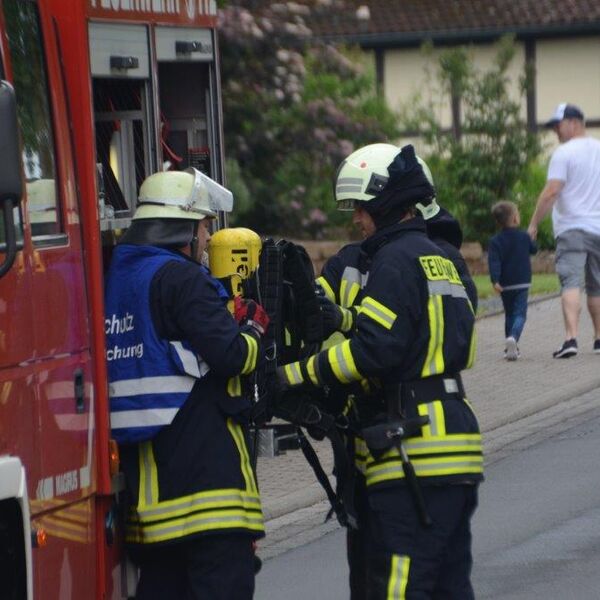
(11, 185)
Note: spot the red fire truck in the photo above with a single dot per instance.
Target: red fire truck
(95, 95)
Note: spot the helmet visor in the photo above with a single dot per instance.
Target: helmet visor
(218, 197)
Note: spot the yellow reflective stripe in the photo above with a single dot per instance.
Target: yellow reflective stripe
(365, 385)
(472, 349)
(342, 362)
(148, 488)
(426, 467)
(252, 355)
(455, 443)
(208, 500)
(468, 403)
(352, 282)
(234, 387)
(437, 422)
(378, 312)
(310, 367)
(348, 292)
(206, 521)
(293, 374)
(361, 454)
(57, 527)
(347, 320)
(238, 437)
(434, 362)
(326, 288)
(448, 444)
(398, 577)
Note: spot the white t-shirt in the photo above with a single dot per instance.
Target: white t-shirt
(577, 163)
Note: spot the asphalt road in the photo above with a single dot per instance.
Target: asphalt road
(536, 532)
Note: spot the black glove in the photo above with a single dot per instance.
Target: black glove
(335, 318)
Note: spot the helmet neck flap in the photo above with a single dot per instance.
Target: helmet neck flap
(164, 233)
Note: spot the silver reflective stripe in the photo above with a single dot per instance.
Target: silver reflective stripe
(387, 319)
(422, 469)
(353, 180)
(223, 501)
(350, 276)
(445, 288)
(190, 523)
(150, 417)
(436, 325)
(344, 368)
(341, 189)
(295, 369)
(170, 384)
(419, 444)
(456, 465)
(451, 386)
(192, 363)
(398, 577)
(434, 423)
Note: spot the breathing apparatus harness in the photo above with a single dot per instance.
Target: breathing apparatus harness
(284, 285)
(279, 276)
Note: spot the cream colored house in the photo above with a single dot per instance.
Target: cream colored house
(560, 39)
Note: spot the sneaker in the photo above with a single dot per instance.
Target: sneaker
(568, 349)
(597, 346)
(512, 352)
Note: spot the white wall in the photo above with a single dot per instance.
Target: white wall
(568, 70)
(408, 71)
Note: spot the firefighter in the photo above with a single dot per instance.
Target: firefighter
(175, 356)
(413, 335)
(342, 280)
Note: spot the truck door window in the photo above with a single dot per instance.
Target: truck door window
(121, 117)
(33, 109)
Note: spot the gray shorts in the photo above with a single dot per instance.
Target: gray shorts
(578, 260)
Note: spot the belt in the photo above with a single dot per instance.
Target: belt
(433, 388)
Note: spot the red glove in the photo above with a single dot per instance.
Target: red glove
(248, 312)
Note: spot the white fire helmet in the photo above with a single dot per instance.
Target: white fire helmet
(185, 194)
(363, 175)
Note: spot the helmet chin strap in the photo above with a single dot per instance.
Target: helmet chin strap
(194, 247)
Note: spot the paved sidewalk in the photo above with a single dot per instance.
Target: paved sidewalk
(501, 393)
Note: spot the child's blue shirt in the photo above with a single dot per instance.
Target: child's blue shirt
(508, 258)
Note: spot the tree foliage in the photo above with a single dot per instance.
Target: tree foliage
(495, 152)
(293, 109)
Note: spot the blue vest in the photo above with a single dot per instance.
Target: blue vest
(149, 377)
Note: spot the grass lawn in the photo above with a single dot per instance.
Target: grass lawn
(542, 283)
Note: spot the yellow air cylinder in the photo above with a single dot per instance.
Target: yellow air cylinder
(233, 253)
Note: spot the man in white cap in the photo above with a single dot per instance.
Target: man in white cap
(572, 191)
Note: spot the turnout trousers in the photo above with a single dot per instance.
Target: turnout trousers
(215, 567)
(409, 562)
(357, 541)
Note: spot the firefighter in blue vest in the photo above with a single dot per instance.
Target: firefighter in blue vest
(342, 280)
(413, 335)
(175, 359)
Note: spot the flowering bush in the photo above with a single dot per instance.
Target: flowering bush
(293, 109)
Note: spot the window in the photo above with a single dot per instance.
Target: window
(121, 115)
(33, 109)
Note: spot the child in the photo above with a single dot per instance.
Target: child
(510, 271)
